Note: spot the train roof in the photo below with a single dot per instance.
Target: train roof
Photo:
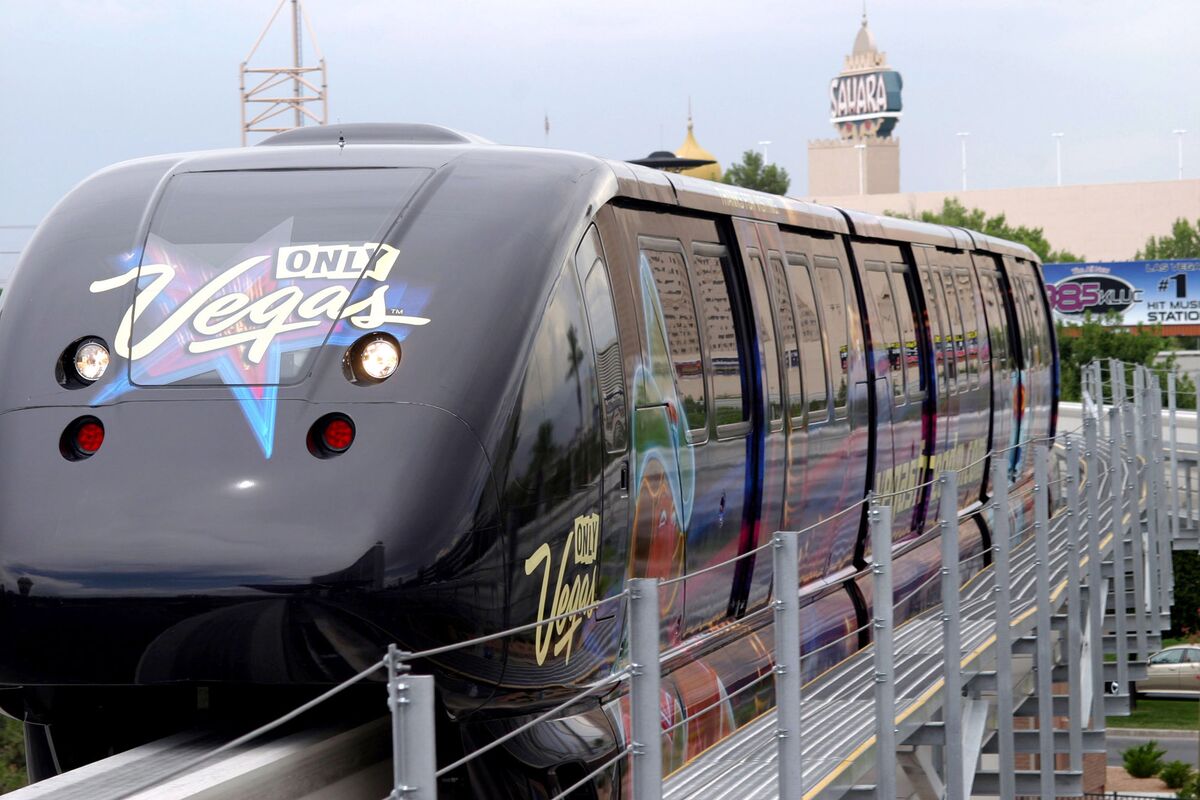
(363, 145)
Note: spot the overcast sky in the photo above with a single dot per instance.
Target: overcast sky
(85, 83)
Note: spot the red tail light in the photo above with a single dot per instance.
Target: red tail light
(81, 439)
(331, 435)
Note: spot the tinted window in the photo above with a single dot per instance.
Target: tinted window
(943, 352)
(788, 345)
(597, 293)
(1167, 657)
(709, 270)
(966, 302)
(766, 334)
(557, 437)
(956, 326)
(832, 293)
(997, 322)
(905, 305)
(683, 338)
(887, 338)
(812, 353)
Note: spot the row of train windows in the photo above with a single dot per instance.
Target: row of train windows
(799, 306)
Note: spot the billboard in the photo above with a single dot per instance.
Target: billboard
(1158, 292)
(870, 99)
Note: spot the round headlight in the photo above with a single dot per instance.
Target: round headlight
(379, 358)
(91, 360)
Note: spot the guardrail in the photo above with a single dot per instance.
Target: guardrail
(1134, 469)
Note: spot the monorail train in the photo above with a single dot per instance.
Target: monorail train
(267, 410)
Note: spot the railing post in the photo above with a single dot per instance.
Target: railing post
(1042, 660)
(880, 519)
(788, 676)
(1001, 544)
(1074, 600)
(953, 768)
(1096, 592)
(645, 711)
(1116, 484)
(1158, 499)
(1173, 422)
(1099, 370)
(414, 758)
(1137, 564)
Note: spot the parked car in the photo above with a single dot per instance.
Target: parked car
(1173, 670)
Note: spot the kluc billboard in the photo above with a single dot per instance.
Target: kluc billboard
(1161, 292)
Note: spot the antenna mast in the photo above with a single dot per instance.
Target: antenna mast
(261, 106)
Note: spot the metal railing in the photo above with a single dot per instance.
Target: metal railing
(1134, 469)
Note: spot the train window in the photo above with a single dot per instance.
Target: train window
(710, 268)
(831, 290)
(887, 339)
(789, 347)
(766, 334)
(598, 302)
(997, 324)
(812, 353)
(911, 353)
(1037, 318)
(966, 302)
(943, 348)
(557, 441)
(683, 337)
(959, 351)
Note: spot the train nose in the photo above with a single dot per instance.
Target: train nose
(178, 535)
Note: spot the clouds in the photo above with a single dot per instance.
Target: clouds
(88, 83)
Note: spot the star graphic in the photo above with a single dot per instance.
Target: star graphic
(190, 357)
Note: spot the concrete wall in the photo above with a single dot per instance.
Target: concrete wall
(833, 166)
(1107, 222)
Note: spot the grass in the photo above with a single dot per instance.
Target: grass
(12, 754)
(1174, 714)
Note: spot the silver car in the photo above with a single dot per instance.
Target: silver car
(1175, 669)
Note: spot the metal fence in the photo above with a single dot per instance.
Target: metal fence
(1131, 466)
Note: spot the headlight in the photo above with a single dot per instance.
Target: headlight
(372, 358)
(91, 360)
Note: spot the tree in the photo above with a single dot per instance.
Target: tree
(751, 174)
(955, 213)
(1095, 338)
(1183, 242)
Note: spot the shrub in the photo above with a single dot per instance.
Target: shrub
(1175, 774)
(1189, 790)
(1144, 760)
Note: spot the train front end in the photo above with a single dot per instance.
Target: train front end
(249, 412)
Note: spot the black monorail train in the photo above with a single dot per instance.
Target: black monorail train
(265, 411)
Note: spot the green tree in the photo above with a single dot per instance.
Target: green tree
(956, 214)
(12, 754)
(1182, 242)
(752, 174)
(1094, 338)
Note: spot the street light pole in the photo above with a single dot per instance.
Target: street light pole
(1179, 133)
(962, 138)
(764, 144)
(1058, 157)
(860, 147)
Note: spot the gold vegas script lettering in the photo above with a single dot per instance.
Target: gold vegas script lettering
(570, 593)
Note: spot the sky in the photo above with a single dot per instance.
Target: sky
(86, 83)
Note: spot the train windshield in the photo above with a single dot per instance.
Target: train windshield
(244, 274)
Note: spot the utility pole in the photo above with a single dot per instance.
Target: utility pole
(267, 99)
(962, 137)
(764, 144)
(1179, 134)
(862, 182)
(1058, 157)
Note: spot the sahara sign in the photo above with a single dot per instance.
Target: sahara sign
(865, 95)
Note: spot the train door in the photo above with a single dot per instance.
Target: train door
(1003, 374)
(945, 385)
(761, 251)
(975, 389)
(889, 300)
(697, 388)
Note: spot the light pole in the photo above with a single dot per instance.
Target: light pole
(962, 138)
(1058, 157)
(1179, 133)
(860, 147)
(763, 145)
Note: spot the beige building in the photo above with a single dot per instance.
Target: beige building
(1098, 222)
